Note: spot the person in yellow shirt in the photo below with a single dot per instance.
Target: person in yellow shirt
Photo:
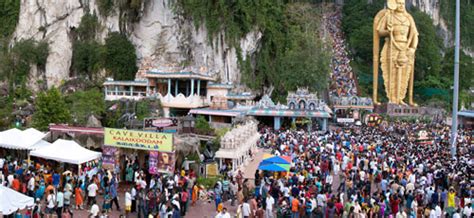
(451, 196)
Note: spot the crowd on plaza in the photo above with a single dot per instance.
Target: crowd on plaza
(365, 172)
(342, 77)
(66, 194)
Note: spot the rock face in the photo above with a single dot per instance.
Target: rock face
(161, 35)
(432, 8)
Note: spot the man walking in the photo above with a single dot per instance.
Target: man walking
(269, 201)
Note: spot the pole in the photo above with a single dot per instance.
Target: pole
(454, 126)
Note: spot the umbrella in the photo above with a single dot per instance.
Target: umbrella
(275, 167)
(278, 160)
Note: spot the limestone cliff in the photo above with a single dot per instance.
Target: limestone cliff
(432, 8)
(161, 35)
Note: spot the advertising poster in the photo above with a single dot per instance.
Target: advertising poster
(166, 162)
(153, 162)
(109, 157)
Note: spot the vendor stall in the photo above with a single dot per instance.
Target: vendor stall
(66, 151)
(20, 140)
(11, 201)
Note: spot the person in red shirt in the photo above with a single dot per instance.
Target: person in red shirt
(16, 183)
(184, 200)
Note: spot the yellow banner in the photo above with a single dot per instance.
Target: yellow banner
(153, 141)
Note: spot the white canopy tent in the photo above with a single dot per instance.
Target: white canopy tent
(11, 201)
(20, 140)
(66, 151)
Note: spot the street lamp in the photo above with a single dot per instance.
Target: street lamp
(454, 125)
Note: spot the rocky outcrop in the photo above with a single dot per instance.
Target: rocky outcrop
(50, 21)
(432, 8)
(160, 35)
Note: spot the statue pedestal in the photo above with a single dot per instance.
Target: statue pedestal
(209, 169)
(394, 110)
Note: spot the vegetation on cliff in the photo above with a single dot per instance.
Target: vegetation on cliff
(291, 53)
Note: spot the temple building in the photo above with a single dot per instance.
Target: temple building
(178, 91)
(303, 108)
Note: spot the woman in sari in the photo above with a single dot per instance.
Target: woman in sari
(195, 194)
(78, 194)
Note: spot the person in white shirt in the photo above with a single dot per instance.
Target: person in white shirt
(433, 213)
(60, 203)
(31, 186)
(223, 214)
(269, 209)
(91, 193)
(94, 212)
(467, 211)
(401, 214)
(51, 202)
(2, 178)
(438, 211)
(10, 180)
(246, 209)
(128, 202)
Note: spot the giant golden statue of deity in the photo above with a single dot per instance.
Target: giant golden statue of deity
(398, 53)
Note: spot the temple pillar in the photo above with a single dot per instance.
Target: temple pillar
(276, 123)
(198, 87)
(116, 90)
(169, 87)
(131, 90)
(325, 124)
(192, 87)
(176, 88)
(166, 112)
(187, 89)
(105, 90)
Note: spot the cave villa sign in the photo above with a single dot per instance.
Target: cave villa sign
(151, 141)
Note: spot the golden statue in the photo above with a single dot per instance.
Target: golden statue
(398, 53)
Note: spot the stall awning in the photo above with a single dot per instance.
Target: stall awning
(66, 151)
(11, 201)
(21, 140)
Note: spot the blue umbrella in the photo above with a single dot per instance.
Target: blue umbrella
(276, 160)
(275, 167)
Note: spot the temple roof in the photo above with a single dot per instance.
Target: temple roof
(177, 75)
(126, 82)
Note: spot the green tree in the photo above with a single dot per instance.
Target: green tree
(50, 108)
(88, 28)
(82, 104)
(120, 58)
(9, 14)
(202, 126)
(16, 62)
(466, 74)
(106, 7)
(428, 53)
(87, 57)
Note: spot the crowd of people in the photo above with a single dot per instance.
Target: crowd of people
(342, 77)
(382, 171)
(65, 193)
